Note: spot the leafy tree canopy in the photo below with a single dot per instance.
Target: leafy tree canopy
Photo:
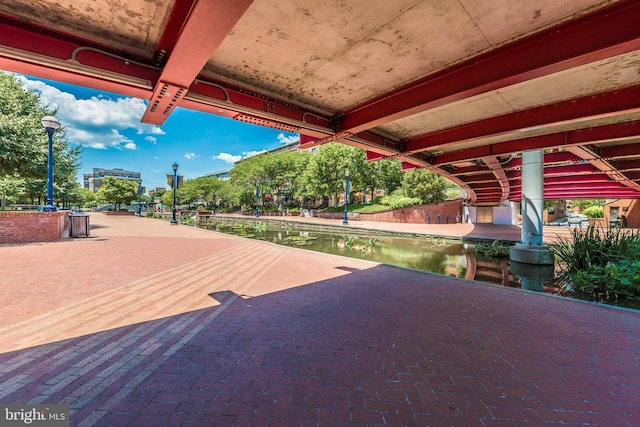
(117, 191)
(425, 185)
(24, 142)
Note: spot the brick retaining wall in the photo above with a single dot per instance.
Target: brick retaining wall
(28, 227)
(412, 214)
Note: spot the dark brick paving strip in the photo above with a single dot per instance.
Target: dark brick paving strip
(368, 345)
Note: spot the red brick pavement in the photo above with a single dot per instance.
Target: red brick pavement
(148, 324)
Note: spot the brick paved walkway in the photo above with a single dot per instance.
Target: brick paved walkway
(148, 324)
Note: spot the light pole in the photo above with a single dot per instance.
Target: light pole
(257, 198)
(346, 196)
(174, 185)
(140, 199)
(213, 211)
(50, 124)
(64, 195)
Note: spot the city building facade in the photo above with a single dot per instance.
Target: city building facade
(94, 181)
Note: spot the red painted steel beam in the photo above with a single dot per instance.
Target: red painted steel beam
(561, 170)
(485, 177)
(588, 106)
(582, 187)
(203, 30)
(573, 195)
(566, 180)
(605, 33)
(619, 151)
(554, 191)
(43, 53)
(626, 165)
(469, 170)
(216, 97)
(171, 33)
(592, 135)
(633, 175)
(516, 162)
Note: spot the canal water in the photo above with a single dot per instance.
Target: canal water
(435, 255)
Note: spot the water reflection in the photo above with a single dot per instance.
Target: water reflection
(434, 255)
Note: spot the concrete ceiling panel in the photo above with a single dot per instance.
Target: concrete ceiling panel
(132, 26)
(503, 21)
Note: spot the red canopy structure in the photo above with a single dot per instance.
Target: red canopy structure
(459, 87)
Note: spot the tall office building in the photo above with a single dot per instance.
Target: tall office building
(94, 181)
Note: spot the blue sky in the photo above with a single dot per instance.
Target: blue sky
(107, 126)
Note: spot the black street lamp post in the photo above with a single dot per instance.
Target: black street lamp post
(346, 196)
(50, 124)
(257, 198)
(140, 199)
(64, 195)
(174, 185)
(213, 211)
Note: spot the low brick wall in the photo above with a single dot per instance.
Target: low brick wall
(29, 227)
(413, 214)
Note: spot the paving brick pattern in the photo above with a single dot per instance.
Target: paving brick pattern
(147, 324)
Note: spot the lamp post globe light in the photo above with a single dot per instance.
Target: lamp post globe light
(346, 196)
(50, 124)
(174, 185)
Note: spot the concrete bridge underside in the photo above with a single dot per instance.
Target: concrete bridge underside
(461, 88)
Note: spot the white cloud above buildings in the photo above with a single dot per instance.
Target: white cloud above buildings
(97, 122)
(284, 139)
(233, 158)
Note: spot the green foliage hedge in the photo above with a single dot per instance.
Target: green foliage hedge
(598, 263)
(493, 250)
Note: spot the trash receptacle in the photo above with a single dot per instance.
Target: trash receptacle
(79, 225)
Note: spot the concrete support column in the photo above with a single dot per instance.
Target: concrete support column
(532, 197)
(531, 249)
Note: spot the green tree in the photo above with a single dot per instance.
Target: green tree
(24, 142)
(196, 190)
(325, 172)
(425, 185)
(86, 197)
(11, 190)
(275, 173)
(117, 191)
(587, 203)
(382, 175)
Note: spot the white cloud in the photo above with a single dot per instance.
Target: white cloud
(282, 139)
(190, 156)
(151, 139)
(227, 158)
(95, 122)
(252, 153)
(233, 158)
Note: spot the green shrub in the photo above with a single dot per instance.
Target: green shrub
(594, 212)
(592, 255)
(493, 250)
(609, 283)
(396, 201)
